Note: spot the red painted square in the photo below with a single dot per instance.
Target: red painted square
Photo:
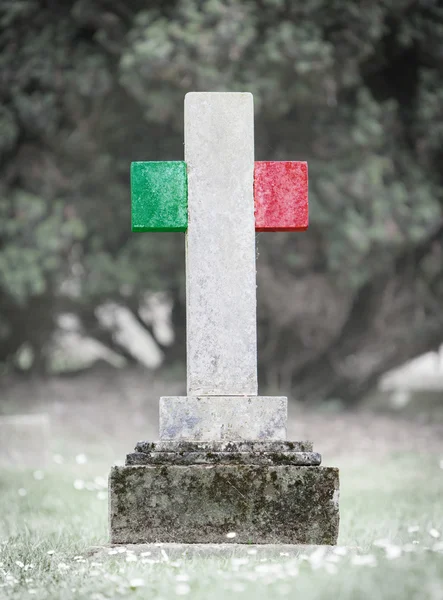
(281, 196)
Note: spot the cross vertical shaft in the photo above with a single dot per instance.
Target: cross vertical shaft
(220, 245)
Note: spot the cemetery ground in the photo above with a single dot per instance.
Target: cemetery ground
(51, 517)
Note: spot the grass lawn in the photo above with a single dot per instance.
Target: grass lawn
(391, 507)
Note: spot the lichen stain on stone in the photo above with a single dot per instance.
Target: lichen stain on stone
(270, 492)
(200, 503)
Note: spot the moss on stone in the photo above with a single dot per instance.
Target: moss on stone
(274, 504)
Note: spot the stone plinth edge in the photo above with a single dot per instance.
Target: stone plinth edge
(223, 418)
(226, 458)
(203, 503)
(231, 446)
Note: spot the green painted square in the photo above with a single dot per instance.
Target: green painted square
(159, 196)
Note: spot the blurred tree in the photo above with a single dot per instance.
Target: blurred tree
(353, 87)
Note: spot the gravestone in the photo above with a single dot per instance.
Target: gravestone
(223, 470)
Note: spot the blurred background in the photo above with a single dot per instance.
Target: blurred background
(355, 88)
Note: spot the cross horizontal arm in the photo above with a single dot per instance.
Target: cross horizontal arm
(159, 196)
(281, 196)
(159, 193)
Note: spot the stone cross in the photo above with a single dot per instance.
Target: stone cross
(223, 470)
(220, 197)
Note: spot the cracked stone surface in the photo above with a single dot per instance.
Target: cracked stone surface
(202, 504)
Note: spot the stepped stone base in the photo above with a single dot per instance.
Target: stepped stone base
(202, 503)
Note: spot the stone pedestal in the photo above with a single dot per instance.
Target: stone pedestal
(198, 492)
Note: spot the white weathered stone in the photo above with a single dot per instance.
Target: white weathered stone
(220, 255)
(205, 418)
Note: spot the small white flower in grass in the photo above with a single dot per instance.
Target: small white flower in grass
(79, 557)
(145, 554)
(136, 583)
(19, 564)
(238, 562)
(81, 459)
(182, 577)
(365, 560)
(316, 558)
(182, 589)
(231, 535)
(415, 542)
(100, 482)
(392, 552)
(284, 553)
(165, 556)
(79, 484)
(252, 551)
(50, 552)
(38, 475)
(29, 567)
(22, 492)
(434, 533)
(131, 558)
